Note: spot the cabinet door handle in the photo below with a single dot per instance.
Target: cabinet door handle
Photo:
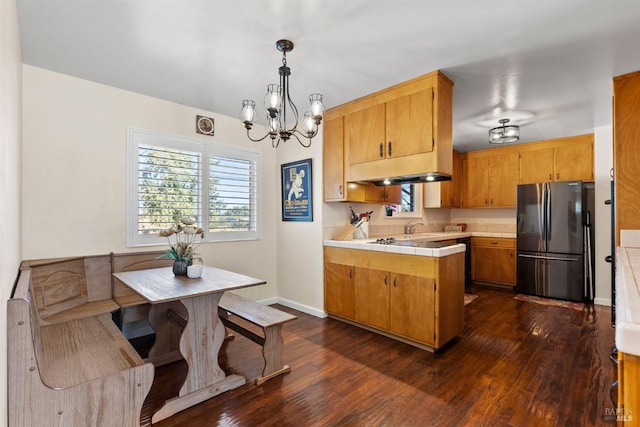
(381, 151)
(494, 243)
(394, 282)
(491, 201)
(385, 280)
(340, 190)
(550, 177)
(389, 149)
(351, 273)
(486, 202)
(557, 176)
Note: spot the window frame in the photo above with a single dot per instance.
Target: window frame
(137, 137)
(418, 204)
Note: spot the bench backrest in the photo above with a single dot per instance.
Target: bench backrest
(132, 262)
(64, 283)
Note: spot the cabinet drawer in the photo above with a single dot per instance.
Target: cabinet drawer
(495, 242)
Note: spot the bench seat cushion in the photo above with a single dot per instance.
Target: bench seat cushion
(77, 351)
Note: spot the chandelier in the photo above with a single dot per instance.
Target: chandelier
(504, 133)
(278, 103)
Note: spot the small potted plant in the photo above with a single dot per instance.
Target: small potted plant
(182, 251)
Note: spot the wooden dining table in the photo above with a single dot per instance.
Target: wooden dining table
(196, 302)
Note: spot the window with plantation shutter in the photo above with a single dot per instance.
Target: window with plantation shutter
(232, 194)
(172, 177)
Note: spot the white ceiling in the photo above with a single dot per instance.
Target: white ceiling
(546, 64)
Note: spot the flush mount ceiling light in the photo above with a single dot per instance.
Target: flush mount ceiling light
(504, 133)
(277, 102)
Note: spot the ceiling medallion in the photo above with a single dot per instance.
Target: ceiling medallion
(277, 102)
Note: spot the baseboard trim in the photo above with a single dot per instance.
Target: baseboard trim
(602, 301)
(300, 307)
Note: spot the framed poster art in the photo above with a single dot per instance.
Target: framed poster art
(296, 184)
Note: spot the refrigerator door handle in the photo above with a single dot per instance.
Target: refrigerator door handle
(547, 194)
(551, 258)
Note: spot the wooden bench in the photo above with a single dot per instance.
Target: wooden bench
(78, 372)
(71, 288)
(269, 319)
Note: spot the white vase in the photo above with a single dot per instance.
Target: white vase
(194, 271)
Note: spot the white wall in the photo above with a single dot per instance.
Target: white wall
(300, 250)
(74, 172)
(603, 150)
(10, 152)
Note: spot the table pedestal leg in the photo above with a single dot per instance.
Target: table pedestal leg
(166, 348)
(200, 344)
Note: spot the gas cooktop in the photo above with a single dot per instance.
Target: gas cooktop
(417, 243)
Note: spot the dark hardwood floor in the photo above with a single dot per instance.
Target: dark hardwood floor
(516, 364)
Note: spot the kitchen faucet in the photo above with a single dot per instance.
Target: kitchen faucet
(410, 228)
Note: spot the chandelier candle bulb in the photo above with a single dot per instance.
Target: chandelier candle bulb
(248, 112)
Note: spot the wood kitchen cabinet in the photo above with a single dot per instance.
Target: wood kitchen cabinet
(493, 260)
(490, 180)
(566, 159)
(445, 194)
(339, 289)
(396, 302)
(365, 130)
(391, 194)
(372, 297)
(626, 153)
(403, 130)
(628, 388)
(415, 299)
(336, 189)
(399, 127)
(476, 182)
(408, 297)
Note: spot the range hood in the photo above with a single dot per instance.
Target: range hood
(412, 179)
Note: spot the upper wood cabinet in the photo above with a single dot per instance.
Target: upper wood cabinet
(490, 180)
(336, 188)
(445, 194)
(565, 159)
(476, 181)
(366, 131)
(391, 194)
(626, 153)
(400, 127)
(490, 177)
(403, 130)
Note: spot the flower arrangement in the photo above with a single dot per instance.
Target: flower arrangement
(186, 234)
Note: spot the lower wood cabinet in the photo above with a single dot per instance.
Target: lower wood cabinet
(415, 299)
(493, 260)
(628, 389)
(339, 291)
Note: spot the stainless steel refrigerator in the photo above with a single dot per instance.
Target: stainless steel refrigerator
(554, 238)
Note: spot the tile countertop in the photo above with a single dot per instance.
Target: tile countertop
(628, 292)
(434, 237)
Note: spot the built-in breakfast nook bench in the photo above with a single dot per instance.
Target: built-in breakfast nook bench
(70, 363)
(75, 372)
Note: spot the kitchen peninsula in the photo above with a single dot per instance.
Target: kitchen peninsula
(410, 291)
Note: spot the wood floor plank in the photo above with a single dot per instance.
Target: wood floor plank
(516, 363)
